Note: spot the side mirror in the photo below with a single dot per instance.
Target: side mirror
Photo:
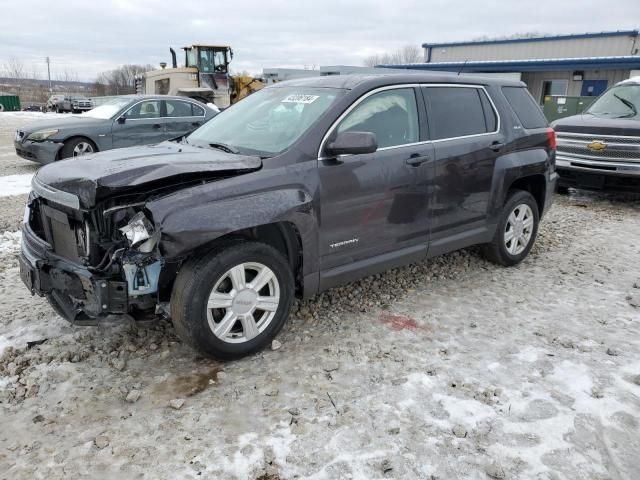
(353, 143)
(121, 119)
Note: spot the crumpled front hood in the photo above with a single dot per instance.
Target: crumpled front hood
(587, 123)
(95, 177)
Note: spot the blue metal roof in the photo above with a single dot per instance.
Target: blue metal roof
(485, 66)
(573, 36)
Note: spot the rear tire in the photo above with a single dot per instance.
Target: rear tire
(516, 231)
(216, 299)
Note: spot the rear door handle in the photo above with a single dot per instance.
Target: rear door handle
(417, 160)
(495, 146)
(157, 126)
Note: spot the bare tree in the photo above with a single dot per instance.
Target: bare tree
(67, 75)
(14, 68)
(121, 80)
(404, 55)
(34, 73)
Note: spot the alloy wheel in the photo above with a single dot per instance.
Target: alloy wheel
(243, 302)
(82, 148)
(519, 229)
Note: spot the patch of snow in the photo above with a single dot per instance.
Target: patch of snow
(241, 465)
(10, 241)
(15, 184)
(464, 411)
(280, 443)
(34, 330)
(528, 354)
(27, 114)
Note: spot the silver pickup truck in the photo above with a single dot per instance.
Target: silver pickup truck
(600, 148)
(64, 103)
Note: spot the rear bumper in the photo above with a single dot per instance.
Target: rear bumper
(77, 290)
(41, 152)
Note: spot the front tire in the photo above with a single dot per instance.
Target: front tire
(233, 301)
(76, 147)
(516, 231)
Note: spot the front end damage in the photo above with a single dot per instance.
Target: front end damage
(91, 246)
(91, 264)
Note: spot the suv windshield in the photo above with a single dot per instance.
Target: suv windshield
(622, 101)
(267, 122)
(109, 109)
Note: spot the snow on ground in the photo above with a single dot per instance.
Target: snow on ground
(10, 242)
(26, 115)
(10, 163)
(15, 184)
(449, 369)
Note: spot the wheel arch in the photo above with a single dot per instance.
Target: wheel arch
(284, 236)
(534, 184)
(523, 169)
(190, 221)
(73, 137)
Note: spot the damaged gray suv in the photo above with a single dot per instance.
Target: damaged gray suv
(300, 187)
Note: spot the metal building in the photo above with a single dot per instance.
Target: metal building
(274, 75)
(560, 65)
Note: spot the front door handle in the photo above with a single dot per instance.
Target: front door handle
(196, 124)
(157, 126)
(416, 160)
(495, 146)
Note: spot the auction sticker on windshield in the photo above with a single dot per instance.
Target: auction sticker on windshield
(301, 99)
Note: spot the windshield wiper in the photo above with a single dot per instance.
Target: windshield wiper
(224, 147)
(631, 106)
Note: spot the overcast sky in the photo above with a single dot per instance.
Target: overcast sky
(90, 36)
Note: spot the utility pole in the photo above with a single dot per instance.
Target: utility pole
(49, 75)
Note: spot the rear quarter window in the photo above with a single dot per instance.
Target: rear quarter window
(525, 107)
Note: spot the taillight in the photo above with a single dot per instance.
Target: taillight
(551, 135)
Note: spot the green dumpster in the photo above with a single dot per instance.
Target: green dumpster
(9, 103)
(560, 107)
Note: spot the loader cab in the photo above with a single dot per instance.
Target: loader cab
(208, 58)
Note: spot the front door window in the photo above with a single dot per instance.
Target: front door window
(391, 115)
(142, 110)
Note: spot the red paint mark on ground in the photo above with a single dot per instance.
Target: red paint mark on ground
(400, 322)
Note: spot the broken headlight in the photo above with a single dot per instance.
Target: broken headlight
(140, 233)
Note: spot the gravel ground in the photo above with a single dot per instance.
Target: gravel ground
(448, 369)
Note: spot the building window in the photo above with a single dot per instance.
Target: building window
(554, 88)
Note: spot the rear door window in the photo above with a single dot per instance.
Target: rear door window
(458, 112)
(491, 120)
(525, 107)
(177, 108)
(197, 110)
